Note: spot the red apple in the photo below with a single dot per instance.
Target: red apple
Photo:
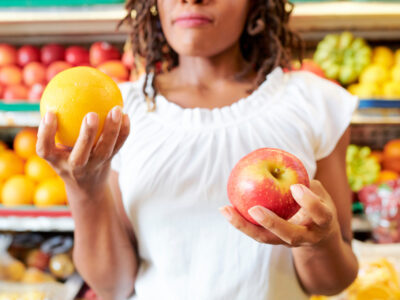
(311, 66)
(128, 59)
(34, 72)
(51, 53)
(15, 92)
(27, 54)
(115, 69)
(10, 75)
(8, 55)
(35, 92)
(263, 178)
(76, 55)
(37, 259)
(101, 52)
(55, 68)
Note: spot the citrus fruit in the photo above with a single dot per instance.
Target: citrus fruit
(397, 57)
(1, 188)
(383, 56)
(377, 155)
(50, 192)
(38, 169)
(391, 90)
(366, 90)
(374, 73)
(18, 190)
(73, 93)
(3, 146)
(25, 143)
(396, 73)
(387, 175)
(10, 164)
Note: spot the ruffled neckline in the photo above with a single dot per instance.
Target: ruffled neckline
(245, 108)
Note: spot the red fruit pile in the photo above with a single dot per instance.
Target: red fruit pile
(24, 72)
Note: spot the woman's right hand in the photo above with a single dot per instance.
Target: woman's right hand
(85, 167)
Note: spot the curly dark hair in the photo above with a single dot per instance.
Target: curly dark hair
(273, 46)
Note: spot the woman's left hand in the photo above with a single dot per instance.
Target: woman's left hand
(315, 222)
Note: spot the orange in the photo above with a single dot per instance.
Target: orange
(25, 143)
(73, 93)
(50, 192)
(392, 149)
(387, 175)
(10, 164)
(18, 190)
(38, 169)
(3, 146)
(1, 188)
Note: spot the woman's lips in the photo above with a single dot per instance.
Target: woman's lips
(192, 20)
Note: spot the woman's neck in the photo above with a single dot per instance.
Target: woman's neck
(201, 71)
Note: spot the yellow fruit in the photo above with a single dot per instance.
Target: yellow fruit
(353, 88)
(18, 190)
(33, 275)
(25, 143)
(61, 266)
(383, 56)
(367, 90)
(374, 73)
(38, 169)
(50, 192)
(15, 270)
(396, 73)
(10, 164)
(1, 188)
(3, 146)
(73, 93)
(391, 90)
(397, 57)
(378, 291)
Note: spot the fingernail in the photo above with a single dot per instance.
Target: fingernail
(48, 118)
(126, 121)
(116, 114)
(225, 211)
(297, 190)
(257, 213)
(91, 119)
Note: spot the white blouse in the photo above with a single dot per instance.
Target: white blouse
(173, 172)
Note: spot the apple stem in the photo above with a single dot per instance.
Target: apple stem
(276, 172)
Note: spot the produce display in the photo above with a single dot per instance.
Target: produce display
(263, 178)
(30, 258)
(343, 57)
(24, 72)
(25, 178)
(380, 79)
(376, 280)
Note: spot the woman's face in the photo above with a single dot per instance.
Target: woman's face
(202, 28)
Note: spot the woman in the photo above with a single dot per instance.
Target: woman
(147, 223)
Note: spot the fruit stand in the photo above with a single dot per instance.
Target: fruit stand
(39, 41)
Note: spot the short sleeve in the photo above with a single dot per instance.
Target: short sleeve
(128, 91)
(332, 109)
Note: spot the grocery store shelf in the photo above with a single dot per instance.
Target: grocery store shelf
(34, 219)
(375, 20)
(20, 114)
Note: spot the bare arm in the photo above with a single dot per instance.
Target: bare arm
(104, 252)
(329, 267)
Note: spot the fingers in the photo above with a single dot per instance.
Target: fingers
(292, 234)
(45, 145)
(318, 211)
(258, 233)
(105, 146)
(123, 133)
(81, 152)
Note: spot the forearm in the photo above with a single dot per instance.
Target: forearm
(103, 252)
(327, 268)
